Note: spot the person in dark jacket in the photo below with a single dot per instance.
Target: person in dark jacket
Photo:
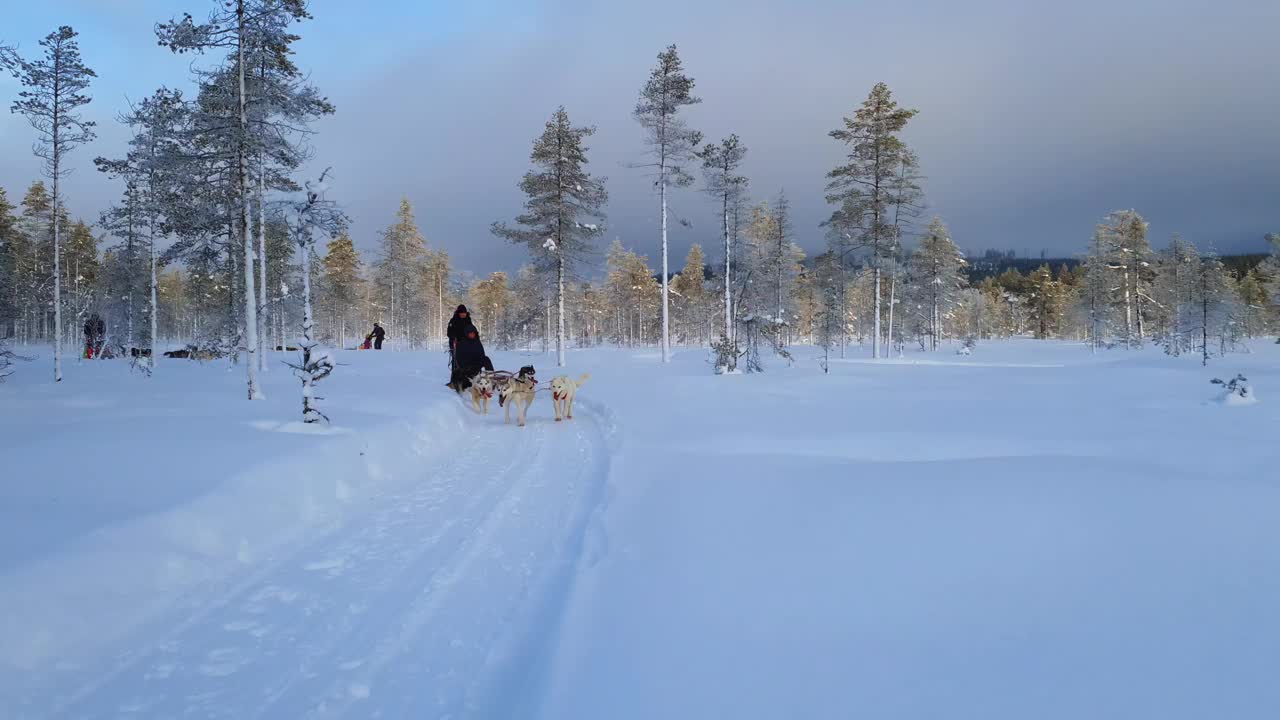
(458, 326)
(95, 336)
(377, 335)
(468, 360)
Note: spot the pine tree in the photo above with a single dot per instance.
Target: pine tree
(1095, 291)
(671, 143)
(55, 91)
(11, 247)
(1213, 303)
(690, 287)
(828, 312)
(937, 274)
(489, 303)
(634, 295)
(257, 35)
(1128, 255)
(720, 166)
(80, 268)
(404, 249)
(867, 187)
(341, 286)
(1174, 288)
(562, 196)
(1045, 303)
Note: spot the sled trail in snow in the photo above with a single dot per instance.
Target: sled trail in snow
(409, 608)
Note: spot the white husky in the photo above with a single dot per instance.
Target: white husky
(563, 390)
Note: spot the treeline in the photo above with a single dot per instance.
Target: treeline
(213, 229)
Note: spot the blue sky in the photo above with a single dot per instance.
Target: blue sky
(1036, 119)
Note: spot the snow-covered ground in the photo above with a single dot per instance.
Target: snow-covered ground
(1029, 531)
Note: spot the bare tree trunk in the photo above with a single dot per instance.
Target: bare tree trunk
(250, 301)
(560, 303)
(875, 335)
(666, 327)
(1128, 312)
(309, 413)
(893, 287)
(262, 252)
(57, 242)
(155, 305)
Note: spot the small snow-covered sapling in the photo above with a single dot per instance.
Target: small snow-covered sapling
(1238, 386)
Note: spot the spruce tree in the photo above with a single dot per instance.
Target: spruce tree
(671, 145)
(564, 206)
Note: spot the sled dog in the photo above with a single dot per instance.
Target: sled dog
(481, 391)
(520, 391)
(563, 391)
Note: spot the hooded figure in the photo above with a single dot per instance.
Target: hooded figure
(468, 359)
(458, 325)
(377, 335)
(95, 335)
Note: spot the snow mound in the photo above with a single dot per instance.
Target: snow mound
(51, 609)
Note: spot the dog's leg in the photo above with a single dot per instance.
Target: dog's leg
(569, 406)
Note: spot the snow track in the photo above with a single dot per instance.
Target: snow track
(413, 605)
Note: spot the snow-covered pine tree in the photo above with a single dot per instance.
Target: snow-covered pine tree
(1253, 299)
(937, 273)
(1174, 287)
(1096, 292)
(1044, 303)
(307, 215)
(10, 249)
(1128, 256)
(720, 167)
(865, 188)
(1213, 304)
(828, 312)
(257, 34)
(1271, 268)
(671, 145)
(564, 206)
(147, 171)
(908, 205)
(55, 86)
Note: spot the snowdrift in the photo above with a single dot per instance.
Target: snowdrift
(114, 579)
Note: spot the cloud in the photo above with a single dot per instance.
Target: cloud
(1034, 122)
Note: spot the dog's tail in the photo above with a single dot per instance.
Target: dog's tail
(585, 377)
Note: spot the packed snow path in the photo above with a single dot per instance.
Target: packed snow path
(415, 605)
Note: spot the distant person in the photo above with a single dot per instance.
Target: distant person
(376, 336)
(95, 336)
